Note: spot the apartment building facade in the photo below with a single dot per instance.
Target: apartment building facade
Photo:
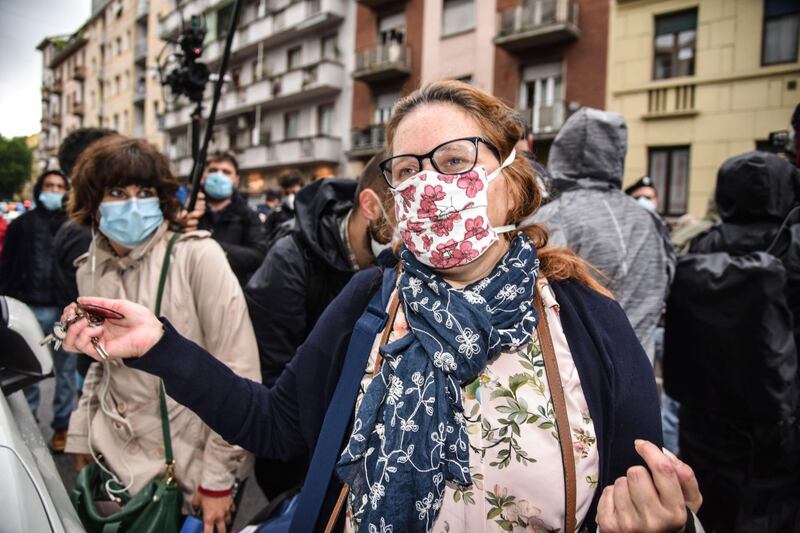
(103, 75)
(286, 102)
(699, 82)
(545, 58)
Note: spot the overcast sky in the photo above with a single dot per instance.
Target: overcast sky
(23, 24)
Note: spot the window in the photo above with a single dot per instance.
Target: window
(542, 97)
(116, 84)
(330, 49)
(669, 168)
(224, 16)
(674, 44)
(383, 107)
(457, 16)
(118, 44)
(116, 121)
(392, 29)
(781, 32)
(291, 123)
(325, 119)
(255, 70)
(294, 57)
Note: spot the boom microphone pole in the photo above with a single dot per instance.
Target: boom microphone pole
(200, 159)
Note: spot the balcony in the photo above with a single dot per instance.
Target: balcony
(139, 95)
(309, 83)
(46, 93)
(58, 87)
(306, 150)
(383, 63)
(140, 52)
(368, 142)
(78, 109)
(138, 131)
(537, 23)
(55, 120)
(545, 120)
(79, 73)
(142, 9)
(671, 102)
(293, 21)
(170, 25)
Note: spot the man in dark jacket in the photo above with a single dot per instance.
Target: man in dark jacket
(27, 274)
(341, 226)
(590, 215)
(231, 222)
(290, 182)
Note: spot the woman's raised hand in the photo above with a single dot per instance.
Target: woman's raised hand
(652, 499)
(131, 336)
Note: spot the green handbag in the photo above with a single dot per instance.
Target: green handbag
(157, 507)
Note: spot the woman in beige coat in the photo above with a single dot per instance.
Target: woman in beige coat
(124, 190)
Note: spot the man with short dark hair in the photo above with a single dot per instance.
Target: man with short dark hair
(230, 220)
(341, 226)
(645, 193)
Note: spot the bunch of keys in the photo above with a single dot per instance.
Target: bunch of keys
(94, 314)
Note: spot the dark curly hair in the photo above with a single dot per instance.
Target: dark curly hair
(118, 161)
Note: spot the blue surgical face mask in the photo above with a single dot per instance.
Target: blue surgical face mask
(130, 222)
(647, 203)
(51, 200)
(218, 186)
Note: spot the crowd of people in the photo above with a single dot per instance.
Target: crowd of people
(499, 321)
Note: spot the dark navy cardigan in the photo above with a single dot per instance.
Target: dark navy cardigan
(284, 421)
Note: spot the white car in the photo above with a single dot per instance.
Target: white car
(32, 496)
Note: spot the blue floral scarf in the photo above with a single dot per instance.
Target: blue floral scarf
(409, 436)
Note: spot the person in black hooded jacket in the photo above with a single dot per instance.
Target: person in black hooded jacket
(340, 226)
(732, 332)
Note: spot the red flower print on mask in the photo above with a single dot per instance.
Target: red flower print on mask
(426, 242)
(427, 204)
(408, 195)
(452, 254)
(474, 227)
(408, 241)
(447, 178)
(471, 183)
(414, 227)
(443, 224)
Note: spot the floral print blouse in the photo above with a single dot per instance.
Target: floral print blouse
(515, 456)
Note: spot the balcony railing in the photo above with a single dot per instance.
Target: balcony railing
(142, 8)
(78, 109)
(58, 87)
(380, 3)
(537, 23)
(547, 118)
(294, 20)
(55, 120)
(367, 142)
(140, 51)
(664, 102)
(138, 131)
(139, 94)
(383, 62)
(319, 149)
(309, 83)
(79, 73)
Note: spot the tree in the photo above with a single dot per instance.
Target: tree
(15, 165)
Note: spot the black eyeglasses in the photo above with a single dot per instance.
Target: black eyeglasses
(452, 157)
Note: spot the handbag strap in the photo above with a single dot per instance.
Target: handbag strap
(562, 418)
(162, 280)
(337, 417)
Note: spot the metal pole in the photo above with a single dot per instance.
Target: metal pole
(200, 159)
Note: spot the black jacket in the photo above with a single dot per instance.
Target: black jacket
(239, 231)
(27, 266)
(276, 218)
(71, 241)
(301, 274)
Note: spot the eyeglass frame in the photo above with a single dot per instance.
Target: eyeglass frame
(429, 155)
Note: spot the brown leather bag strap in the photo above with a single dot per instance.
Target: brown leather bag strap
(562, 419)
(394, 305)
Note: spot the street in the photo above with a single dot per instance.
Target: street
(252, 501)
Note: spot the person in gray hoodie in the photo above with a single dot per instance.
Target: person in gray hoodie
(591, 215)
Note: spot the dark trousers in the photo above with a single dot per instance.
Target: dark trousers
(275, 477)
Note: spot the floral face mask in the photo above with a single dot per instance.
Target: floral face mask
(443, 219)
